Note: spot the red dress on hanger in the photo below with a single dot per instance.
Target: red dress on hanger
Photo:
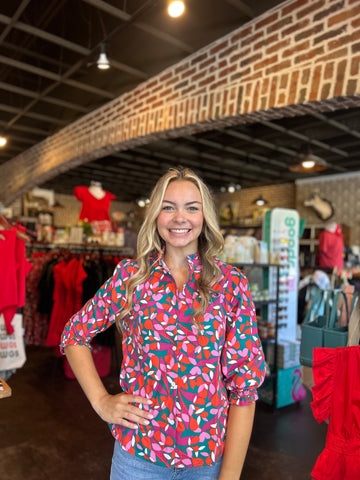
(337, 396)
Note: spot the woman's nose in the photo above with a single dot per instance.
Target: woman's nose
(179, 215)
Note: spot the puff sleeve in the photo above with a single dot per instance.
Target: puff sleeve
(324, 362)
(243, 362)
(98, 313)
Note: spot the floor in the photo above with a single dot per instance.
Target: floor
(49, 431)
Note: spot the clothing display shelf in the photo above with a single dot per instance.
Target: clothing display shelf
(268, 327)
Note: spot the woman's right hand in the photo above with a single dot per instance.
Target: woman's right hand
(119, 409)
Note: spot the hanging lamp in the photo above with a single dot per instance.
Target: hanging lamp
(308, 163)
(103, 61)
(260, 201)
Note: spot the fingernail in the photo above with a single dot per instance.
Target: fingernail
(146, 422)
(150, 416)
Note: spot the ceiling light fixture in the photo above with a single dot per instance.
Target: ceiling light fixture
(103, 61)
(3, 141)
(260, 201)
(176, 8)
(308, 163)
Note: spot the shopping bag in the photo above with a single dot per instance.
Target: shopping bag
(336, 336)
(312, 330)
(12, 348)
(354, 324)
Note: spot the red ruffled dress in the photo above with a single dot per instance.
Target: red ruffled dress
(337, 397)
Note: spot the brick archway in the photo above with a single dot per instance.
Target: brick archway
(302, 56)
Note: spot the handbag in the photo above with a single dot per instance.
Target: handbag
(354, 324)
(12, 348)
(312, 330)
(336, 336)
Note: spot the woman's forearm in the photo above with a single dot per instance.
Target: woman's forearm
(239, 427)
(82, 364)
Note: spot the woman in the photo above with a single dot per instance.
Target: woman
(192, 358)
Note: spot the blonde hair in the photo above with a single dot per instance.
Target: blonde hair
(149, 243)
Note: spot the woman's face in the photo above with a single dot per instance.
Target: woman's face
(180, 220)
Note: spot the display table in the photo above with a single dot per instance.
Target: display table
(5, 390)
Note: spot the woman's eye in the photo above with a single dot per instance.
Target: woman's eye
(167, 207)
(194, 209)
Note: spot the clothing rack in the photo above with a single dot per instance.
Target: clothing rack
(80, 248)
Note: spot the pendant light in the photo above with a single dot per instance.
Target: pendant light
(308, 163)
(176, 8)
(103, 61)
(260, 201)
(3, 141)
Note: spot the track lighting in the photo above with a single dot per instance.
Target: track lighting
(176, 8)
(103, 61)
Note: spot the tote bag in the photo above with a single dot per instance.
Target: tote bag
(336, 336)
(312, 330)
(12, 349)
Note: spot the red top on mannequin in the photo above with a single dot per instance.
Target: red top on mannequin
(95, 202)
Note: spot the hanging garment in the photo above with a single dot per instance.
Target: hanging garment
(14, 267)
(36, 324)
(93, 208)
(331, 249)
(337, 397)
(68, 292)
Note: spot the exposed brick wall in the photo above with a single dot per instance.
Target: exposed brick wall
(301, 56)
(343, 191)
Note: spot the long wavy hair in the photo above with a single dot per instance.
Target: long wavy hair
(149, 242)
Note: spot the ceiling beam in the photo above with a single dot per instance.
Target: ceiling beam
(55, 77)
(13, 20)
(35, 116)
(125, 17)
(54, 101)
(303, 138)
(242, 7)
(74, 47)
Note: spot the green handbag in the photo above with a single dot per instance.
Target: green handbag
(312, 330)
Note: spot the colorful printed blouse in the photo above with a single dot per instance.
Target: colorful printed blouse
(191, 374)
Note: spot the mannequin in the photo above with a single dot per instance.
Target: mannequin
(331, 246)
(97, 190)
(95, 202)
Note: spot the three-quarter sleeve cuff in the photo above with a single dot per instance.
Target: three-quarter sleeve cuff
(243, 397)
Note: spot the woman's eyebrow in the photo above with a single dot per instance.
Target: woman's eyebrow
(187, 203)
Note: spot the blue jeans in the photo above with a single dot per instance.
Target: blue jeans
(126, 466)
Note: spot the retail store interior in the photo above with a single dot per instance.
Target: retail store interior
(101, 98)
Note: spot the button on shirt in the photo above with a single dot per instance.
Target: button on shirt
(192, 373)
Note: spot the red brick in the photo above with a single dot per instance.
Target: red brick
(266, 62)
(270, 19)
(219, 47)
(310, 8)
(286, 64)
(278, 46)
(298, 47)
(279, 25)
(293, 7)
(242, 34)
(315, 84)
(344, 16)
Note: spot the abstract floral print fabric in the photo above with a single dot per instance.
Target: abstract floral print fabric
(191, 373)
